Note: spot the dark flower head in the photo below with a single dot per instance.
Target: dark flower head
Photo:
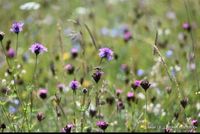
(42, 93)
(74, 52)
(38, 48)
(176, 115)
(125, 68)
(40, 116)
(17, 27)
(11, 53)
(69, 68)
(169, 90)
(106, 53)
(85, 90)
(145, 85)
(110, 100)
(136, 84)
(168, 130)
(195, 122)
(97, 75)
(102, 124)
(120, 105)
(118, 92)
(127, 36)
(68, 128)
(186, 26)
(92, 112)
(1, 35)
(61, 87)
(3, 126)
(184, 102)
(74, 85)
(130, 96)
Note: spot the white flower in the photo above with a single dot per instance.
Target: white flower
(30, 6)
(81, 10)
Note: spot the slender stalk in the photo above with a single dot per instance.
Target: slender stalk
(193, 47)
(5, 54)
(146, 112)
(83, 113)
(4, 112)
(91, 36)
(31, 93)
(17, 45)
(74, 94)
(16, 92)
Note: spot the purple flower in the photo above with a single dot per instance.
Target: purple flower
(17, 27)
(40, 116)
(106, 53)
(74, 52)
(74, 85)
(11, 53)
(118, 91)
(102, 124)
(127, 36)
(120, 105)
(97, 75)
(136, 84)
(130, 96)
(195, 122)
(186, 26)
(67, 128)
(61, 87)
(38, 48)
(42, 93)
(69, 68)
(125, 68)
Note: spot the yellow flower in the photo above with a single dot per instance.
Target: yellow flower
(86, 83)
(66, 56)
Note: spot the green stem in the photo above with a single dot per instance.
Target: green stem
(83, 114)
(17, 46)
(146, 111)
(5, 54)
(74, 94)
(4, 112)
(33, 81)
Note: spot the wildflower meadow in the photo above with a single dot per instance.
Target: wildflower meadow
(100, 66)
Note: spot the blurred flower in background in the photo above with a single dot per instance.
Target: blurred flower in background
(30, 6)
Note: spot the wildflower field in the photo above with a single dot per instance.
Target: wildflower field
(100, 66)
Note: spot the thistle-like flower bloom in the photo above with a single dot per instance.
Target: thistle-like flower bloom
(69, 68)
(136, 84)
(106, 53)
(118, 92)
(130, 96)
(38, 48)
(74, 52)
(145, 85)
(61, 87)
(102, 124)
(74, 85)
(68, 128)
(17, 27)
(186, 26)
(40, 116)
(11, 53)
(97, 75)
(195, 122)
(42, 93)
(1, 35)
(184, 102)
